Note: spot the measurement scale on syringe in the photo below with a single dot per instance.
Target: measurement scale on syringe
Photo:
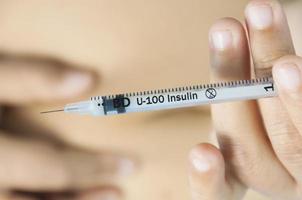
(174, 98)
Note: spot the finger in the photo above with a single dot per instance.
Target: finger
(12, 196)
(99, 194)
(238, 125)
(269, 34)
(102, 193)
(39, 166)
(25, 79)
(288, 76)
(207, 174)
(270, 39)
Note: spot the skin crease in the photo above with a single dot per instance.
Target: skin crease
(123, 42)
(259, 141)
(114, 39)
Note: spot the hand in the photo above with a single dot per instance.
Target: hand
(260, 141)
(37, 167)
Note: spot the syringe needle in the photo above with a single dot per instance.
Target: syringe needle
(52, 111)
(173, 98)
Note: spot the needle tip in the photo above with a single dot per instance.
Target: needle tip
(52, 111)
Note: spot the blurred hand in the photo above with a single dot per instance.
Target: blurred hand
(35, 168)
(260, 141)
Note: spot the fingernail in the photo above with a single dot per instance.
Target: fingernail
(200, 163)
(75, 83)
(127, 167)
(288, 75)
(222, 40)
(260, 16)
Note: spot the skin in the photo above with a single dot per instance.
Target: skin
(109, 44)
(259, 141)
(119, 43)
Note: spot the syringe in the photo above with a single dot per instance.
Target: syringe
(174, 98)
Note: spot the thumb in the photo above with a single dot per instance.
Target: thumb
(207, 175)
(26, 79)
(288, 76)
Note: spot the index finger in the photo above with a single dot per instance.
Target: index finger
(27, 79)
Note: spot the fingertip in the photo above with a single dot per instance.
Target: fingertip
(205, 158)
(228, 50)
(225, 22)
(75, 83)
(127, 166)
(207, 172)
(43, 79)
(225, 34)
(259, 14)
(269, 34)
(288, 75)
(264, 14)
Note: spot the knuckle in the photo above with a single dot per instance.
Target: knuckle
(279, 128)
(292, 153)
(289, 57)
(242, 162)
(269, 58)
(264, 62)
(287, 142)
(280, 131)
(294, 99)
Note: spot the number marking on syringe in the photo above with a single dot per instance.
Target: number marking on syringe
(176, 97)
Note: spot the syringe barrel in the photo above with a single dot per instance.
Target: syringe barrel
(84, 108)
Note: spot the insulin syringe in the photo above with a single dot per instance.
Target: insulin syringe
(174, 98)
